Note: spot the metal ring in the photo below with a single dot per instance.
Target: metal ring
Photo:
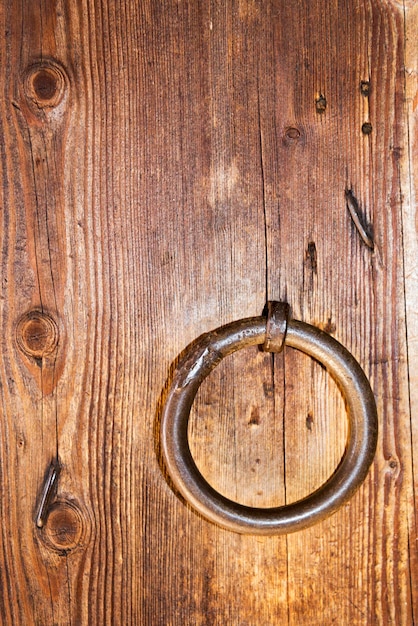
(199, 359)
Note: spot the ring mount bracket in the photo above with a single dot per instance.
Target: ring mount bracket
(271, 333)
(276, 326)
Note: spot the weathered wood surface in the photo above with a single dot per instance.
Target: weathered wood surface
(166, 168)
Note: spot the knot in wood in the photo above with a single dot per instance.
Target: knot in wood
(37, 334)
(294, 136)
(292, 133)
(64, 527)
(44, 84)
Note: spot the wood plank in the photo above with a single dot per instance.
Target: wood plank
(166, 168)
(348, 73)
(36, 120)
(408, 172)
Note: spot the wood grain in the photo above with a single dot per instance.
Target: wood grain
(167, 168)
(408, 172)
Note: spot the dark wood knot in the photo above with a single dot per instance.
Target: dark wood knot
(64, 527)
(37, 334)
(44, 85)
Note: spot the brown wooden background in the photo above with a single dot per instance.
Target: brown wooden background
(168, 167)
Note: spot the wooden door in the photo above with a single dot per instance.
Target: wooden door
(168, 167)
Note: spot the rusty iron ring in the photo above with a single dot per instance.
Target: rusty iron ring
(201, 357)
